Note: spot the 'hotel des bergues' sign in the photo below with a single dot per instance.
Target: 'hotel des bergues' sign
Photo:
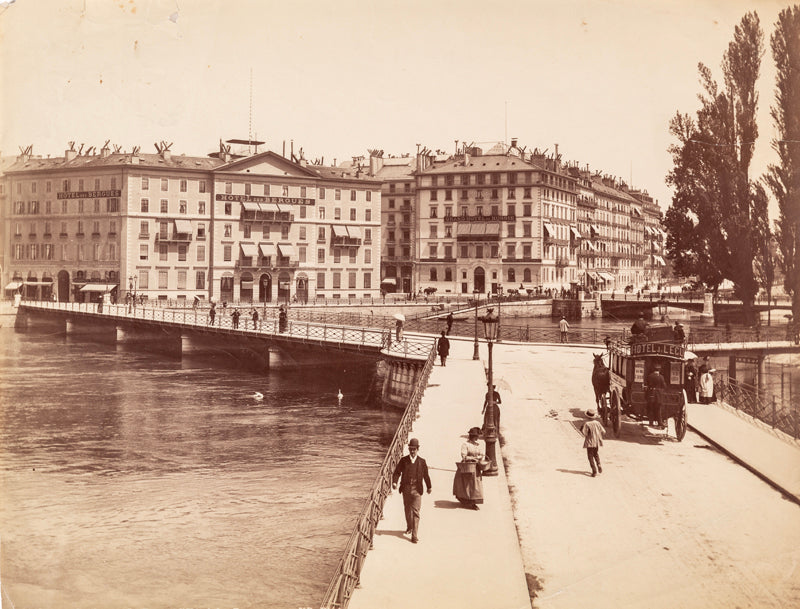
(261, 199)
(88, 194)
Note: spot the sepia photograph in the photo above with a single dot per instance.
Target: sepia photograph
(375, 305)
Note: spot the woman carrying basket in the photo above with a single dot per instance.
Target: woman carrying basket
(468, 482)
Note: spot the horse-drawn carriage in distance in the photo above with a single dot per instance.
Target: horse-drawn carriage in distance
(621, 387)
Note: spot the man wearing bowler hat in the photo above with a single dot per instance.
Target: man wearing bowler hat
(412, 470)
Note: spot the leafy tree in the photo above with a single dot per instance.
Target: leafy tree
(784, 179)
(717, 211)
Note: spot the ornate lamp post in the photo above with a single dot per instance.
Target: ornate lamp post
(475, 353)
(491, 325)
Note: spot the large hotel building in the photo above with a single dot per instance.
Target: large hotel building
(258, 228)
(263, 228)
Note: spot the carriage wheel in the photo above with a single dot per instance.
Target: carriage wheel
(604, 409)
(616, 415)
(680, 423)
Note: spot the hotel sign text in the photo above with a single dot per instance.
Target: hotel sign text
(88, 194)
(257, 199)
(657, 349)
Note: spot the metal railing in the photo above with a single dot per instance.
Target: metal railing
(342, 335)
(348, 571)
(778, 414)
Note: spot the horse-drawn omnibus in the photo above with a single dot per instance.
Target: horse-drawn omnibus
(630, 365)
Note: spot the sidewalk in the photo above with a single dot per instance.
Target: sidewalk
(767, 452)
(464, 558)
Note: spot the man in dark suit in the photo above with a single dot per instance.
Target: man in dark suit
(412, 470)
(655, 389)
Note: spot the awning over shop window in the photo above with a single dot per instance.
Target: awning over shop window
(339, 231)
(268, 249)
(98, 287)
(575, 232)
(183, 227)
(286, 251)
(249, 250)
(14, 285)
(354, 232)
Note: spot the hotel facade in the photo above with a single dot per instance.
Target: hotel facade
(260, 228)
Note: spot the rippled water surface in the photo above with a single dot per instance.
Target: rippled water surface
(130, 480)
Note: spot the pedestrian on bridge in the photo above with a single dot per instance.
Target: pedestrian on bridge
(563, 327)
(592, 432)
(412, 471)
(443, 348)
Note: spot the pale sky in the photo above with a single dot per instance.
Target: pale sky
(600, 78)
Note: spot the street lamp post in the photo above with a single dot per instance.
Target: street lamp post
(475, 352)
(132, 280)
(490, 327)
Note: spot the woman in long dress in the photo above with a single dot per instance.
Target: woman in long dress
(468, 483)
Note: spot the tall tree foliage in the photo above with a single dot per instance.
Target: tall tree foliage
(717, 211)
(784, 179)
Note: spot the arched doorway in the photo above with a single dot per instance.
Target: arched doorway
(226, 287)
(284, 286)
(301, 291)
(31, 286)
(480, 280)
(265, 288)
(246, 287)
(47, 286)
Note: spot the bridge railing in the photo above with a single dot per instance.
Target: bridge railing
(348, 571)
(778, 414)
(416, 348)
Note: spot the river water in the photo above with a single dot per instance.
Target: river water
(130, 480)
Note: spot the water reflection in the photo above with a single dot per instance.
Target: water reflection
(133, 480)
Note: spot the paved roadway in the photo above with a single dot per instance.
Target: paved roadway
(667, 524)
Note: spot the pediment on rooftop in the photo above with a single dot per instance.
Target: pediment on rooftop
(267, 164)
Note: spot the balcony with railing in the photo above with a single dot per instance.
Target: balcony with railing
(173, 238)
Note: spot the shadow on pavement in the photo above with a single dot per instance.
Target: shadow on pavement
(446, 505)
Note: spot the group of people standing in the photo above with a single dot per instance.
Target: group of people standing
(699, 382)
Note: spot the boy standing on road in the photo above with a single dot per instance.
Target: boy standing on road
(593, 432)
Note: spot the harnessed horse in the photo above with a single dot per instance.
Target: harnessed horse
(601, 380)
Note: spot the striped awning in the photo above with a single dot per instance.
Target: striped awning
(268, 249)
(249, 250)
(183, 227)
(286, 250)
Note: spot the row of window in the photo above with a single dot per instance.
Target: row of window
(48, 251)
(81, 225)
(79, 206)
(163, 283)
(511, 275)
(511, 210)
(66, 185)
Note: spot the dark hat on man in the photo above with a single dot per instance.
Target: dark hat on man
(413, 442)
(474, 431)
